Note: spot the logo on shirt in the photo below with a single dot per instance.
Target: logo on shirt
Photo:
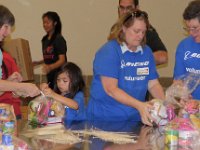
(192, 70)
(189, 55)
(133, 64)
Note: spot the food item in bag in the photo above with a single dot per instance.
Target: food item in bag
(159, 112)
(38, 110)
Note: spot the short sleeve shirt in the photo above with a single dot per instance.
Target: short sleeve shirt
(188, 61)
(133, 72)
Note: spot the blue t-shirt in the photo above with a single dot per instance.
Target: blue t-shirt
(188, 61)
(71, 114)
(133, 72)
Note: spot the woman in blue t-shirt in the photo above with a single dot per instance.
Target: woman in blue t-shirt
(124, 69)
(187, 59)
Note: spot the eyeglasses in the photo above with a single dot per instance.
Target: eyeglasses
(136, 14)
(192, 29)
(127, 9)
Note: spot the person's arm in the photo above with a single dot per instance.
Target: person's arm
(49, 67)
(36, 63)
(158, 48)
(160, 57)
(28, 89)
(110, 86)
(64, 100)
(156, 89)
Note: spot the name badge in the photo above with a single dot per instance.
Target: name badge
(143, 71)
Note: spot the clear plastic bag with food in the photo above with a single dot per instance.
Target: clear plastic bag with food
(38, 110)
(56, 112)
(159, 112)
(182, 89)
(7, 119)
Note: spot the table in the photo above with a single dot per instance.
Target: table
(148, 137)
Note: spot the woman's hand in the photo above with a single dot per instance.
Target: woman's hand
(144, 110)
(27, 89)
(15, 77)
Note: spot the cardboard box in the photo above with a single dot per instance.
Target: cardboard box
(20, 51)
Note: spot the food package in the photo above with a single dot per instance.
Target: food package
(159, 112)
(56, 112)
(192, 106)
(182, 132)
(7, 112)
(7, 119)
(38, 110)
(44, 110)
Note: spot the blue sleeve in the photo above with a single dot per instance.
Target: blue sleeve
(179, 65)
(79, 98)
(107, 62)
(79, 114)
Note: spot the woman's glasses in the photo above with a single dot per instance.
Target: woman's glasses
(192, 29)
(136, 14)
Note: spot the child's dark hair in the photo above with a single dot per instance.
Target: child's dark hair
(76, 79)
(58, 27)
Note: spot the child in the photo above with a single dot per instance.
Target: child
(68, 90)
(54, 46)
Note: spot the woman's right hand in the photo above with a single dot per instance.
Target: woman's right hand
(28, 89)
(144, 110)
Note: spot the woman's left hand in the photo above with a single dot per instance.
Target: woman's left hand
(144, 110)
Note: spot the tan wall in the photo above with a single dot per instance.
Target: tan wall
(86, 24)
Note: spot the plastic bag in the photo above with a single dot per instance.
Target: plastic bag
(182, 89)
(7, 119)
(43, 110)
(7, 112)
(38, 110)
(56, 112)
(159, 112)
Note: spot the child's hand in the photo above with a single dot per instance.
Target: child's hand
(48, 92)
(44, 86)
